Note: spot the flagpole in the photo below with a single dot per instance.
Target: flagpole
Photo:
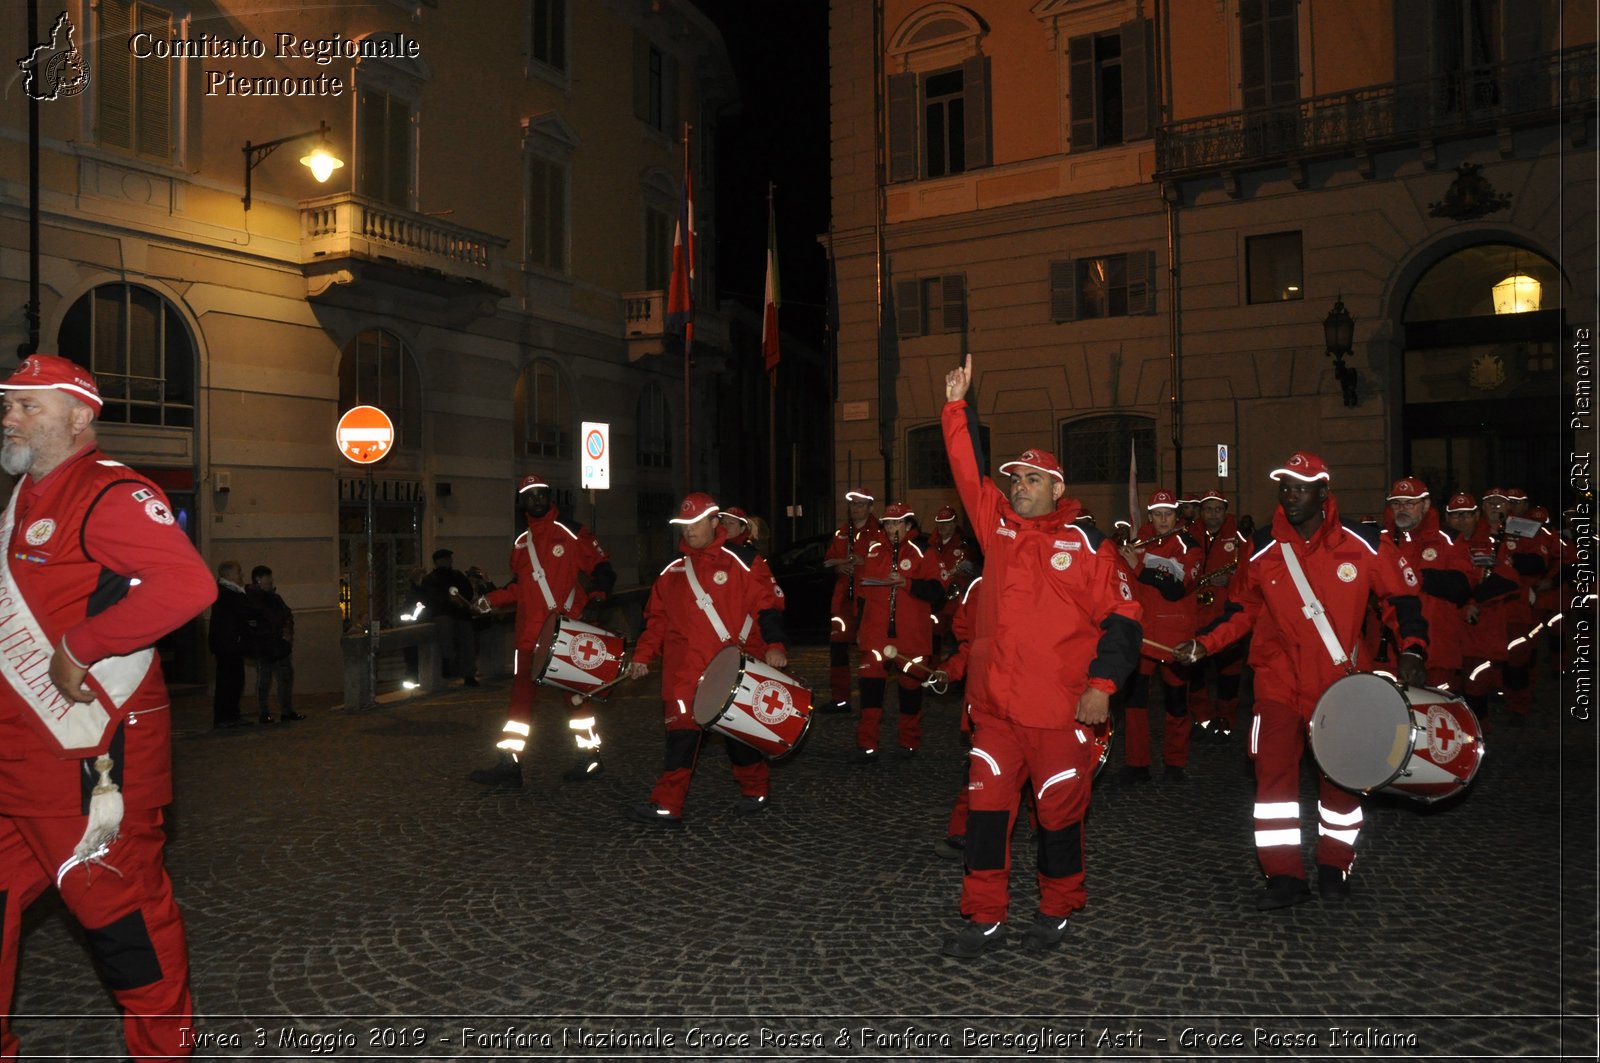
(688, 338)
(772, 375)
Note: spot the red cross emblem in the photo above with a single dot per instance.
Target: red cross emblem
(773, 703)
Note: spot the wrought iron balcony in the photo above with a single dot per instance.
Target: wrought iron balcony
(1555, 87)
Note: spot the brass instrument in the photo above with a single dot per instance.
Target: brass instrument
(1140, 543)
(1205, 595)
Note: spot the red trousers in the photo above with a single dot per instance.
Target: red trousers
(525, 696)
(133, 925)
(1136, 717)
(1060, 765)
(684, 737)
(842, 636)
(1277, 744)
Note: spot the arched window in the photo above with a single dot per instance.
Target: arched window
(140, 352)
(655, 433)
(1094, 450)
(927, 464)
(377, 369)
(544, 426)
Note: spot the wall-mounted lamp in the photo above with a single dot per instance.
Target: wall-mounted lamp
(1338, 330)
(320, 160)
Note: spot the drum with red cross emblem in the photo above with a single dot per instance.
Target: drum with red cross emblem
(576, 656)
(1369, 733)
(752, 702)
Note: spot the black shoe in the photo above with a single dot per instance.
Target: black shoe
(653, 814)
(1131, 774)
(866, 756)
(590, 767)
(975, 939)
(237, 721)
(1172, 773)
(1046, 931)
(834, 706)
(291, 715)
(1332, 883)
(952, 848)
(750, 804)
(1281, 892)
(505, 772)
(266, 717)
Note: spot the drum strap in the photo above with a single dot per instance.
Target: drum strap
(1313, 609)
(544, 583)
(707, 606)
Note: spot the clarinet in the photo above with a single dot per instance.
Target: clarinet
(894, 588)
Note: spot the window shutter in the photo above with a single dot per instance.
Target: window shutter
(641, 77)
(907, 309)
(154, 103)
(671, 120)
(113, 81)
(1082, 125)
(397, 155)
(902, 127)
(975, 82)
(1141, 282)
(1253, 52)
(1283, 51)
(1138, 80)
(371, 110)
(1063, 296)
(953, 294)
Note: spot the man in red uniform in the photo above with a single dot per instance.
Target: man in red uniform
(1165, 570)
(1056, 632)
(1340, 563)
(1494, 582)
(1222, 554)
(954, 845)
(900, 585)
(1520, 560)
(735, 525)
(847, 550)
(1445, 569)
(713, 596)
(546, 562)
(956, 569)
(95, 570)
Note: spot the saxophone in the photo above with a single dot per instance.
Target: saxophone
(1206, 596)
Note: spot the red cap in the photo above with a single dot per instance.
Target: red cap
(945, 514)
(1539, 513)
(1190, 501)
(696, 505)
(1409, 489)
(51, 372)
(1496, 492)
(1461, 502)
(859, 494)
(1042, 460)
(1303, 466)
(1162, 499)
(897, 511)
(736, 513)
(1214, 495)
(1516, 494)
(530, 482)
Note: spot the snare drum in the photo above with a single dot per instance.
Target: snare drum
(752, 702)
(576, 656)
(1369, 733)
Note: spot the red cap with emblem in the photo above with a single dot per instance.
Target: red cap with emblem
(1409, 489)
(897, 511)
(51, 372)
(736, 513)
(1496, 492)
(1042, 460)
(1461, 502)
(1214, 495)
(1539, 513)
(530, 482)
(1162, 499)
(859, 494)
(1516, 494)
(696, 505)
(944, 515)
(1303, 466)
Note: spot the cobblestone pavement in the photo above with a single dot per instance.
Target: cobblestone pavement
(349, 893)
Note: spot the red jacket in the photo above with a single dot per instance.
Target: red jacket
(914, 602)
(1343, 563)
(677, 630)
(1446, 572)
(100, 560)
(955, 666)
(1057, 613)
(565, 549)
(846, 541)
(1169, 609)
(1495, 585)
(1217, 553)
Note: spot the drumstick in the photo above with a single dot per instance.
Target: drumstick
(1167, 649)
(578, 699)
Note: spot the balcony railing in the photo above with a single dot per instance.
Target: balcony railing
(644, 314)
(1561, 84)
(348, 225)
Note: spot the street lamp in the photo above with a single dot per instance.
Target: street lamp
(321, 161)
(1338, 330)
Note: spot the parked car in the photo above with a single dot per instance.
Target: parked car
(807, 587)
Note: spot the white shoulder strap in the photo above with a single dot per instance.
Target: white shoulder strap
(1313, 609)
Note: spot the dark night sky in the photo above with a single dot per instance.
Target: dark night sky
(779, 50)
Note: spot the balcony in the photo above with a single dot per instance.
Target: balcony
(349, 239)
(1559, 87)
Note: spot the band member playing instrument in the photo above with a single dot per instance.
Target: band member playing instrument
(546, 562)
(1304, 594)
(900, 585)
(713, 596)
(1164, 567)
(845, 553)
(957, 568)
(1445, 568)
(1495, 614)
(96, 568)
(954, 845)
(1222, 553)
(1056, 632)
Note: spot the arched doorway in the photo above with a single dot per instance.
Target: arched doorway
(1483, 331)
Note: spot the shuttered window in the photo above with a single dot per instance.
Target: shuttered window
(133, 97)
(655, 86)
(544, 419)
(939, 121)
(384, 138)
(1121, 285)
(547, 213)
(1111, 86)
(930, 306)
(927, 463)
(1095, 450)
(1269, 52)
(548, 43)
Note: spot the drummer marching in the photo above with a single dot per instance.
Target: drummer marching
(846, 551)
(1445, 568)
(712, 597)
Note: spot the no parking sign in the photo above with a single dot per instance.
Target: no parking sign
(596, 455)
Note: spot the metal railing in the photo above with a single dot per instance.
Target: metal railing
(1382, 116)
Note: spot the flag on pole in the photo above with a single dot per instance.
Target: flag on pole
(680, 289)
(769, 317)
(1135, 514)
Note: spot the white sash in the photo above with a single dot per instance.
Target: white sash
(1313, 609)
(544, 584)
(25, 652)
(707, 606)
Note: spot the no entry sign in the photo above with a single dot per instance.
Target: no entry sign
(365, 434)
